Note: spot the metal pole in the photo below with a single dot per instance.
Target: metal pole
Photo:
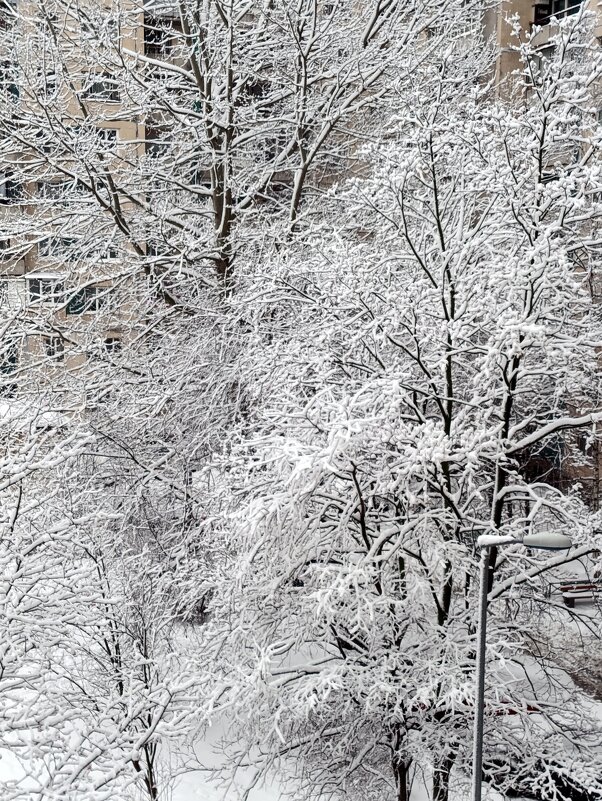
(477, 753)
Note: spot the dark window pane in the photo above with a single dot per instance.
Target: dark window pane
(54, 347)
(102, 88)
(86, 299)
(9, 358)
(78, 302)
(112, 344)
(44, 289)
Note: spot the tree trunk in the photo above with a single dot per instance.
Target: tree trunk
(400, 771)
(441, 771)
(148, 772)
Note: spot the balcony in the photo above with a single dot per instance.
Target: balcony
(544, 11)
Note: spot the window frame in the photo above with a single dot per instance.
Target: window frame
(54, 347)
(10, 191)
(58, 247)
(86, 300)
(112, 345)
(102, 87)
(108, 137)
(43, 288)
(9, 359)
(557, 9)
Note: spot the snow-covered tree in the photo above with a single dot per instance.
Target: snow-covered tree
(433, 351)
(335, 387)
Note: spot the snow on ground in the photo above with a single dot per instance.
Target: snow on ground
(197, 785)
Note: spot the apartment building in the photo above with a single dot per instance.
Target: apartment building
(540, 14)
(59, 301)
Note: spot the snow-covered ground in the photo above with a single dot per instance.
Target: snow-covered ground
(195, 787)
(197, 784)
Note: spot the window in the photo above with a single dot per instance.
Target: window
(63, 191)
(86, 299)
(565, 7)
(539, 61)
(43, 142)
(156, 247)
(200, 176)
(10, 190)
(156, 40)
(545, 53)
(54, 347)
(46, 289)
(157, 141)
(9, 358)
(112, 345)
(256, 88)
(63, 247)
(102, 87)
(8, 13)
(49, 83)
(544, 11)
(107, 137)
(8, 251)
(109, 253)
(51, 190)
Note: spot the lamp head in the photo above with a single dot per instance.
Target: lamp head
(547, 541)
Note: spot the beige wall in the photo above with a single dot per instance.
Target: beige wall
(498, 29)
(500, 32)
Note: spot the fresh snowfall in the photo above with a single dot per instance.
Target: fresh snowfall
(300, 400)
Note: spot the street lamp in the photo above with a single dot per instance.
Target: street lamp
(547, 541)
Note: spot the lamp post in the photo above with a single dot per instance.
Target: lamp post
(547, 541)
